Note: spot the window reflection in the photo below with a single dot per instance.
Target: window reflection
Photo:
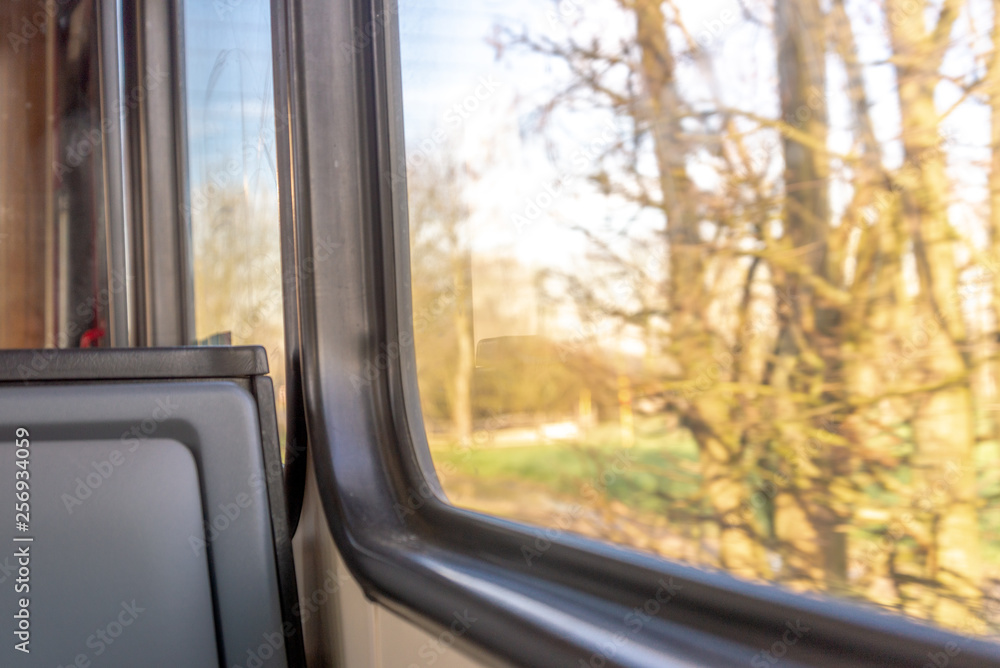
(54, 271)
(234, 198)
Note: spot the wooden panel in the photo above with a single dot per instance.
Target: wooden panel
(23, 177)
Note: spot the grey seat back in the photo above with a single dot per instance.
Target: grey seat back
(154, 529)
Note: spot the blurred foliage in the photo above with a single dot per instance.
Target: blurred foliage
(809, 391)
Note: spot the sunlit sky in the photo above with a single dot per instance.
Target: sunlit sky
(448, 59)
(446, 53)
(229, 97)
(229, 92)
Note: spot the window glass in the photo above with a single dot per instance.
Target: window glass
(718, 281)
(53, 259)
(233, 203)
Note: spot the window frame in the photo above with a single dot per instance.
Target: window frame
(159, 261)
(344, 220)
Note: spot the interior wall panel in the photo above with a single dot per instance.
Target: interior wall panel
(24, 176)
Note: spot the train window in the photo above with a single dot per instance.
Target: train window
(95, 249)
(233, 200)
(55, 278)
(717, 281)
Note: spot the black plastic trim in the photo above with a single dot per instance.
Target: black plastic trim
(574, 605)
(132, 363)
(290, 208)
(263, 392)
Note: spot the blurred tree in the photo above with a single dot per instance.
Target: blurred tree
(237, 271)
(819, 355)
(441, 265)
(807, 358)
(944, 424)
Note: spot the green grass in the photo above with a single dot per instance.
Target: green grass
(656, 470)
(634, 476)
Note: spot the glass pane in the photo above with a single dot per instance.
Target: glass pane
(53, 257)
(234, 193)
(718, 281)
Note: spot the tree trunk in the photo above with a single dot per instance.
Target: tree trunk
(807, 354)
(944, 429)
(706, 414)
(876, 315)
(993, 77)
(465, 364)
